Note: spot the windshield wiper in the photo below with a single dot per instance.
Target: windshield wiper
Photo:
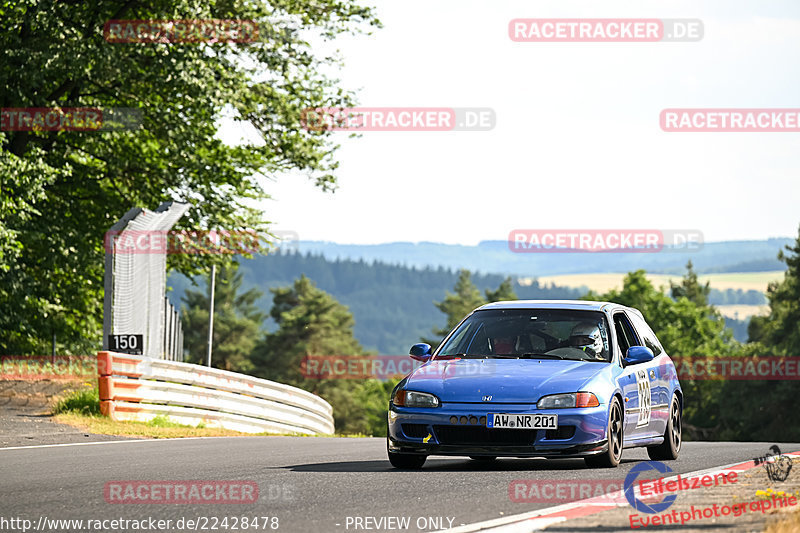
(541, 356)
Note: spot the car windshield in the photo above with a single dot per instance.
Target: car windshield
(531, 334)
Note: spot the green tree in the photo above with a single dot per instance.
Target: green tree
(359, 407)
(690, 288)
(503, 293)
(60, 191)
(458, 304)
(312, 323)
(779, 331)
(685, 328)
(237, 322)
(763, 408)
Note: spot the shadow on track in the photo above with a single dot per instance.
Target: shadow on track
(457, 464)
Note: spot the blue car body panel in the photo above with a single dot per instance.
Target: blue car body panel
(476, 388)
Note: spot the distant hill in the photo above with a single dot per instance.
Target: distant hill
(495, 257)
(393, 306)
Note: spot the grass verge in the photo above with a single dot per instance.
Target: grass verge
(158, 428)
(85, 401)
(790, 524)
(81, 409)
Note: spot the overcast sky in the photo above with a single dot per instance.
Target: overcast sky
(577, 142)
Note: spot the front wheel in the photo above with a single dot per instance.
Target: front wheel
(669, 449)
(406, 460)
(611, 457)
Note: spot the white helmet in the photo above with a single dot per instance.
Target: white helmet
(586, 336)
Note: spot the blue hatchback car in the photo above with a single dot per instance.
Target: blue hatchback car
(539, 378)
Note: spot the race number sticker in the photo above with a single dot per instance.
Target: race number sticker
(644, 398)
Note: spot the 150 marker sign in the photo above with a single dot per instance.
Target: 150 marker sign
(130, 344)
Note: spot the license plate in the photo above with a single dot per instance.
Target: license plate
(502, 420)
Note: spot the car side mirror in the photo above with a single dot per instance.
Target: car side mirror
(420, 352)
(638, 354)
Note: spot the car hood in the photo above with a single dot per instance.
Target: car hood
(505, 380)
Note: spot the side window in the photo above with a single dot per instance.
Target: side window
(646, 334)
(624, 332)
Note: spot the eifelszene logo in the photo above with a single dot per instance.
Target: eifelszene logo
(777, 466)
(630, 481)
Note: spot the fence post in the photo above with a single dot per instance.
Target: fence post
(135, 276)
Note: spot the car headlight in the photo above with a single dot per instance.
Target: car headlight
(573, 399)
(410, 398)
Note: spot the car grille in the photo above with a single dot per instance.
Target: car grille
(563, 432)
(415, 431)
(483, 435)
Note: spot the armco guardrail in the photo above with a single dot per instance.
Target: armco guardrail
(139, 388)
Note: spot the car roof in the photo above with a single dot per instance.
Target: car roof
(574, 305)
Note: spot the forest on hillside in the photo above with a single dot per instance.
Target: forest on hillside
(393, 304)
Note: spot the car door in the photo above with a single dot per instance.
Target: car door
(659, 382)
(636, 382)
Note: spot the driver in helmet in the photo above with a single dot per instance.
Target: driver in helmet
(503, 345)
(586, 337)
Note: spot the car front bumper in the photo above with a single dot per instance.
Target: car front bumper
(432, 431)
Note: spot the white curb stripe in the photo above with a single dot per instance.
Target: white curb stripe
(166, 439)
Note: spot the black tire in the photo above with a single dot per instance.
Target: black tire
(407, 461)
(482, 458)
(673, 437)
(611, 457)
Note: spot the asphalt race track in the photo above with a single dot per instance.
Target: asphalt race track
(310, 484)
